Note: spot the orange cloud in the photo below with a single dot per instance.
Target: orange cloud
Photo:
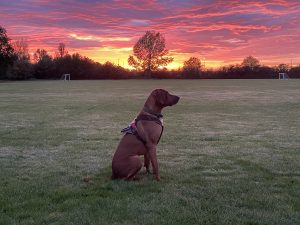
(91, 37)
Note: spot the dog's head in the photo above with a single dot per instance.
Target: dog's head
(163, 98)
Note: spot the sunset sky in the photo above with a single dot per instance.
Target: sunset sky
(218, 32)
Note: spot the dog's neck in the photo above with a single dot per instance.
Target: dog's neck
(151, 108)
(155, 113)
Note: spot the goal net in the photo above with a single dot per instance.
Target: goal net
(283, 76)
(66, 77)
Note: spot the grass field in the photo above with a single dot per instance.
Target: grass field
(230, 153)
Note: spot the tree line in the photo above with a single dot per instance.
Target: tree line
(149, 60)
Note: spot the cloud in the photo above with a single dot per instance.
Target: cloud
(95, 38)
(139, 23)
(115, 49)
(233, 41)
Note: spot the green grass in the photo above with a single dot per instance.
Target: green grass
(229, 154)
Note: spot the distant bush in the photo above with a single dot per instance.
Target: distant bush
(21, 69)
(294, 72)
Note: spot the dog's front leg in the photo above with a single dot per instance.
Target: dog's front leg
(153, 158)
(147, 162)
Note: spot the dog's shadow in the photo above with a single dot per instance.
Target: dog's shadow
(102, 185)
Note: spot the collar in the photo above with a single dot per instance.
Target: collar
(158, 115)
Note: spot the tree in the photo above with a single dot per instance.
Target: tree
(192, 67)
(21, 68)
(282, 68)
(21, 49)
(294, 72)
(39, 55)
(62, 51)
(7, 54)
(149, 52)
(250, 62)
(44, 67)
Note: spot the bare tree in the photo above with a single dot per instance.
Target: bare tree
(39, 55)
(62, 51)
(192, 67)
(282, 68)
(250, 62)
(192, 63)
(21, 49)
(149, 52)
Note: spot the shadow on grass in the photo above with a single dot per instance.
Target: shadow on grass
(104, 187)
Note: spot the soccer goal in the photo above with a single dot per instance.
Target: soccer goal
(66, 77)
(283, 76)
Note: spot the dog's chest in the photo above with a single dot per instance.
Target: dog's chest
(161, 120)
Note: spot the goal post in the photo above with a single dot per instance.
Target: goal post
(283, 76)
(66, 76)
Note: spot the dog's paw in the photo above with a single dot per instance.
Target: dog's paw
(157, 177)
(87, 180)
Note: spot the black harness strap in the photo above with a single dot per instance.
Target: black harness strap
(147, 110)
(148, 118)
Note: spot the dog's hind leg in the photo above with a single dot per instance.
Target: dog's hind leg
(135, 165)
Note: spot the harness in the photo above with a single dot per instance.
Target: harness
(132, 127)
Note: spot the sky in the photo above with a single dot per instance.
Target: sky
(218, 32)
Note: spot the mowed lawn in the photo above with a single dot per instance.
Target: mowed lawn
(230, 153)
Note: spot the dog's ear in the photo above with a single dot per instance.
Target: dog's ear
(160, 96)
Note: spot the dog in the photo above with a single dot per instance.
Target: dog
(141, 138)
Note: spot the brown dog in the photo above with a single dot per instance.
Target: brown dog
(141, 138)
